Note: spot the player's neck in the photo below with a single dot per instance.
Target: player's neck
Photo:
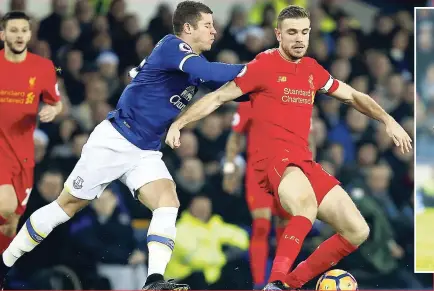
(14, 58)
(286, 57)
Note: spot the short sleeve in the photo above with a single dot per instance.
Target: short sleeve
(174, 53)
(249, 79)
(50, 92)
(241, 118)
(325, 83)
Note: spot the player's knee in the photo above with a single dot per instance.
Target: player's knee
(159, 193)
(168, 199)
(8, 201)
(300, 205)
(71, 204)
(358, 233)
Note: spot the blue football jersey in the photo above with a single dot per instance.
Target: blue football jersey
(163, 85)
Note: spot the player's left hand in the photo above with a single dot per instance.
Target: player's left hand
(173, 136)
(399, 135)
(47, 113)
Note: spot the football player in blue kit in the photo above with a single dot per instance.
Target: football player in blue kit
(126, 146)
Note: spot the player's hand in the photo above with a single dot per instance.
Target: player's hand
(399, 135)
(137, 257)
(230, 183)
(395, 250)
(173, 136)
(47, 113)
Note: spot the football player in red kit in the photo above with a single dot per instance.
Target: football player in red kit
(25, 79)
(282, 84)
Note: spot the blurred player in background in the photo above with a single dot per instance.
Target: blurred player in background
(262, 205)
(126, 145)
(282, 84)
(25, 80)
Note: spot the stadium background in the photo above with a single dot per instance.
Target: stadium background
(96, 42)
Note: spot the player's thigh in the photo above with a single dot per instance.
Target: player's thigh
(296, 194)
(151, 182)
(105, 157)
(8, 200)
(259, 202)
(23, 184)
(339, 211)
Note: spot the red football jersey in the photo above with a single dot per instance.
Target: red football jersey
(242, 121)
(282, 94)
(22, 86)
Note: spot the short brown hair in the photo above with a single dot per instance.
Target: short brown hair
(13, 15)
(292, 12)
(188, 12)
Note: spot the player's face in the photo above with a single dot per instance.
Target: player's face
(204, 34)
(17, 35)
(293, 36)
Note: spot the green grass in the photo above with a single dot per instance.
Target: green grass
(425, 241)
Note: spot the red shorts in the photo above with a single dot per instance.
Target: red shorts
(22, 181)
(269, 171)
(258, 198)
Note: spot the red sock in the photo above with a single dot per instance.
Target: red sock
(279, 232)
(2, 220)
(289, 246)
(259, 249)
(328, 254)
(4, 242)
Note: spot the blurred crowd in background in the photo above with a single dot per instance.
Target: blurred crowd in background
(95, 43)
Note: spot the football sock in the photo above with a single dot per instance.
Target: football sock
(161, 239)
(2, 220)
(4, 242)
(33, 232)
(279, 232)
(328, 254)
(289, 246)
(259, 249)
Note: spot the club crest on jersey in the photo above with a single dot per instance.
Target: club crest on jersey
(312, 86)
(32, 82)
(185, 47)
(78, 183)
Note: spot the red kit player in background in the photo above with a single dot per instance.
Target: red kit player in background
(282, 84)
(263, 207)
(25, 78)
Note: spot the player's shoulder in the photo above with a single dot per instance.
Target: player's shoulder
(267, 54)
(171, 42)
(310, 62)
(40, 61)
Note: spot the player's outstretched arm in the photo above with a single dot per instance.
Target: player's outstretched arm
(203, 107)
(366, 105)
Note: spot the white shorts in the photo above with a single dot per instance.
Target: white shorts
(108, 156)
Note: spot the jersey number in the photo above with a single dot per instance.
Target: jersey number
(28, 191)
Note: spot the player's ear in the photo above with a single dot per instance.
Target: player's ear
(187, 28)
(2, 35)
(278, 34)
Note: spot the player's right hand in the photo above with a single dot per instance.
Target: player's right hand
(173, 136)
